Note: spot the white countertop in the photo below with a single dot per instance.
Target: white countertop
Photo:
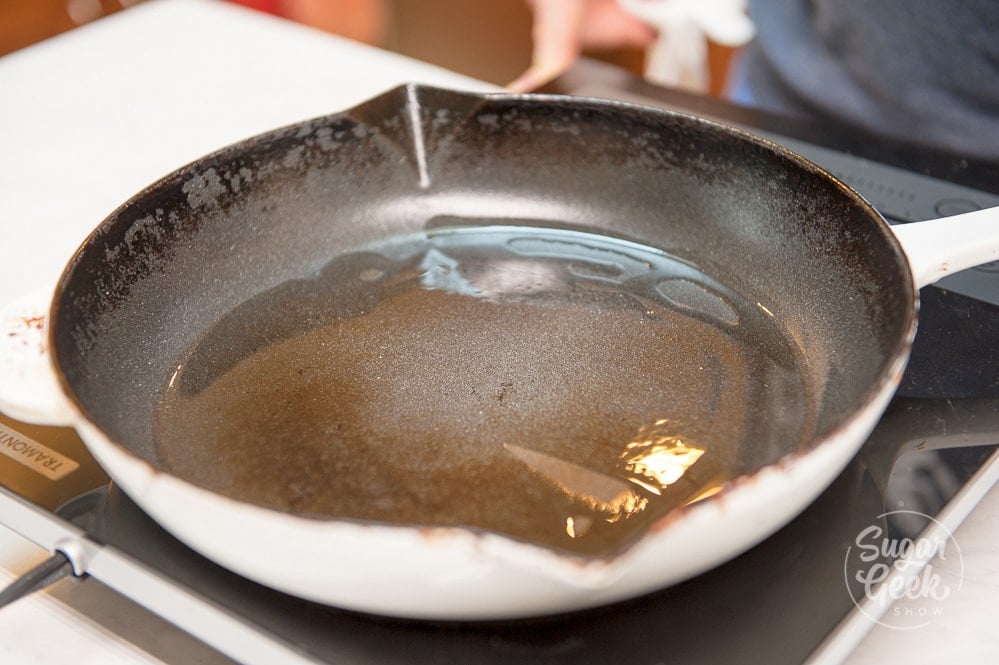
(91, 117)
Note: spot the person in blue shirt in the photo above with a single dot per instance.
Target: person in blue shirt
(923, 71)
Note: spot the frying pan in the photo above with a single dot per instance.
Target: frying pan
(224, 233)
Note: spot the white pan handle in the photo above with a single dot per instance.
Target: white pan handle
(941, 247)
(29, 390)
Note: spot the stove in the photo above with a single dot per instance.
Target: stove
(788, 600)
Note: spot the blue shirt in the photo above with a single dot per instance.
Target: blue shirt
(924, 71)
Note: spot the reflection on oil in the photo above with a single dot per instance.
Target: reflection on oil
(658, 458)
(708, 493)
(611, 497)
(441, 273)
(539, 383)
(688, 295)
(574, 530)
(653, 461)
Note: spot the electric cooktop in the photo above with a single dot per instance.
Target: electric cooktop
(808, 592)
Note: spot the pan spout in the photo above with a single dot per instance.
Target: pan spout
(415, 119)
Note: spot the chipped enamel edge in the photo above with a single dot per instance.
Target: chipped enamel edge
(29, 389)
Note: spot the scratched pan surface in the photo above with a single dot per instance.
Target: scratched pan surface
(455, 405)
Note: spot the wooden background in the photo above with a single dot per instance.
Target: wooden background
(486, 39)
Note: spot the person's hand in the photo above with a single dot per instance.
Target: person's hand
(563, 28)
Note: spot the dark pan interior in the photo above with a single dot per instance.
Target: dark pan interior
(179, 256)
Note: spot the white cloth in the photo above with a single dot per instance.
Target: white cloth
(679, 58)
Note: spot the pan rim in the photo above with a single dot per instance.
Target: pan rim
(887, 378)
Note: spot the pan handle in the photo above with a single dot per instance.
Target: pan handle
(29, 389)
(940, 247)
(916, 424)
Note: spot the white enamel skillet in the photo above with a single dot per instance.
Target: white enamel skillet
(95, 353)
